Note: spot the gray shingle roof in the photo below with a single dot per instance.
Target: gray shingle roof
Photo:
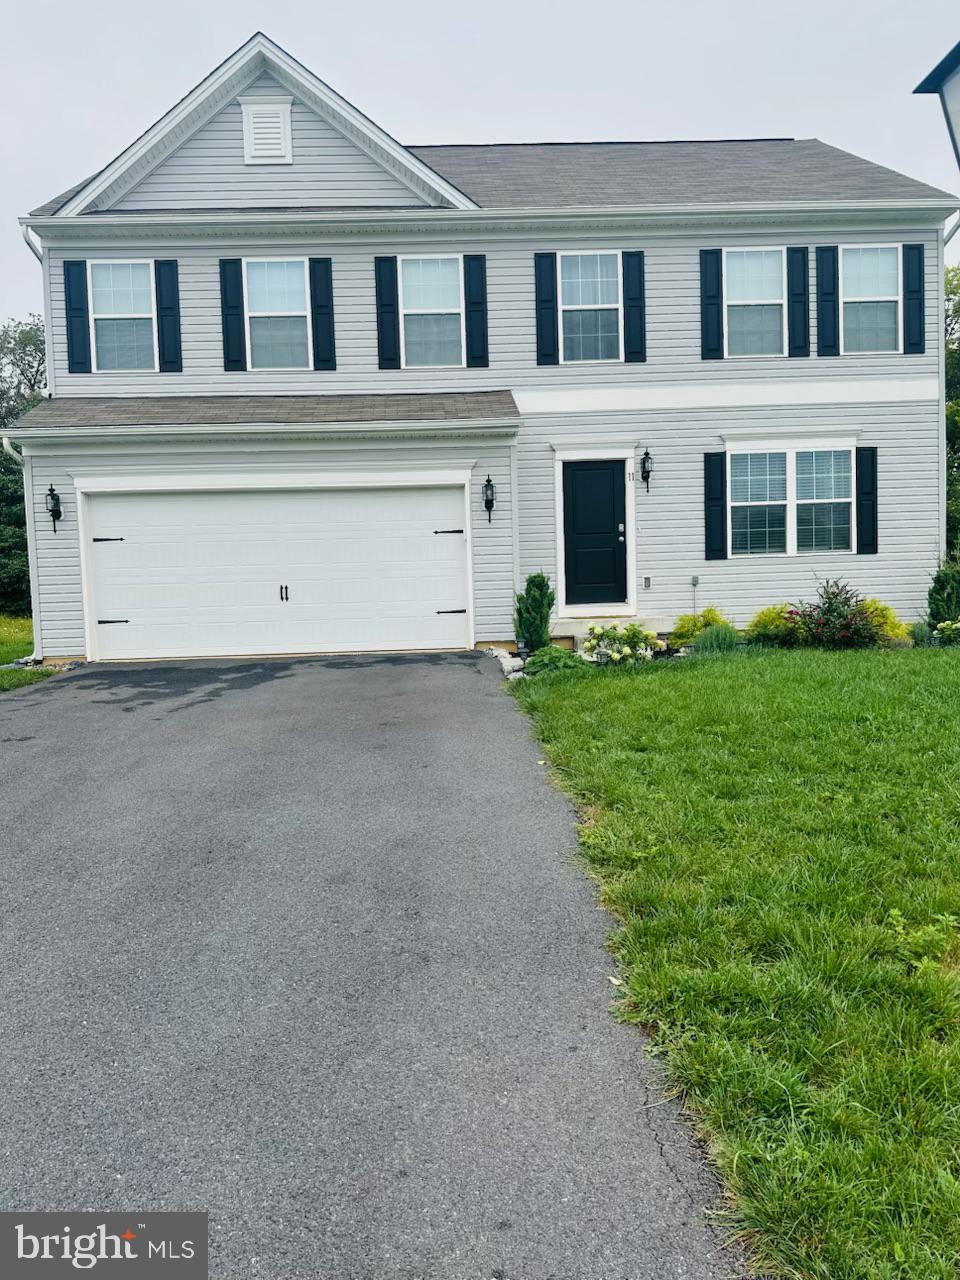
(198, 411)
(591, 174)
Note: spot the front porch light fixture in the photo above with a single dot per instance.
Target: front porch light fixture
(54, 509)
(489, 498)
(646, 468)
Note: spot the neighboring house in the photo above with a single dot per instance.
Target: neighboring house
(286, 353)
(944, 80)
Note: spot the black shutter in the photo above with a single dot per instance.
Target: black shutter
(634, 309)
(475, 309)
(913, 326)
(711, 304)
(231, 315)
(167, 278)
(545, 284)
(828, 300)
(798, 302)
(715, 505)
(78, 317)
(321, 314)
(388, 312)
(866, 502)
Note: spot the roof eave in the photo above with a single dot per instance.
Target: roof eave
(420, 428)
(945, 68)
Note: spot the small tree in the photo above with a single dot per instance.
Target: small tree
(531, 620)
(22, 376)
(943, 600)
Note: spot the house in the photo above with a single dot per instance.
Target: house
(944, 80)
(312, 390)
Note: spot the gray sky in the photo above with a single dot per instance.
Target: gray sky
(82, 80)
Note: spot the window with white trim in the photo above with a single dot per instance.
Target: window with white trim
(755, 299)
(276, 298)
(591, 318)
(790, 501)
(267, 133)
(431, 312)
(123, 315)
(870, 297)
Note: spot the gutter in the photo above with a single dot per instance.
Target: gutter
(37, 655)
(948, 235)
(436, 428)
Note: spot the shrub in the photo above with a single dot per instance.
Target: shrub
(689, 625)
(774, 625)
(921, 633)
(553, 658)
(627, 646)
(943, 599)
(721, 637)
(531, 619)
(891, 632)
(948, 632)
(839, 618)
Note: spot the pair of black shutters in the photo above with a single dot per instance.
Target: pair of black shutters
(798, 301)
(715, 503)
(477, 353)
(548, 307)
(232, 319)
(77, 305)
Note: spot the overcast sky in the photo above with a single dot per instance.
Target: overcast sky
(82, 80)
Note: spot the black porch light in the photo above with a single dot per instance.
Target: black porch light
(489, 498)
(54, 509)
(646, 468)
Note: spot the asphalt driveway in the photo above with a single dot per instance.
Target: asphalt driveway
(299, 943)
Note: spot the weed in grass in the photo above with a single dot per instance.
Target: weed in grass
(779, 834)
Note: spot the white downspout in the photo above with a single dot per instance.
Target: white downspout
(37, 655)
(948, 235)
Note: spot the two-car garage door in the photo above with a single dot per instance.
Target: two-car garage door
(182, 574)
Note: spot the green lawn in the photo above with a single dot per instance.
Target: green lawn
(779, 834)
(16, 641)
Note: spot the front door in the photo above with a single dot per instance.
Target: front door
(594, 531)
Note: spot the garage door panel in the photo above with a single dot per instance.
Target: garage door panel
(200, 573)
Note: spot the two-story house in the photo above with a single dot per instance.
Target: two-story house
(312, 390)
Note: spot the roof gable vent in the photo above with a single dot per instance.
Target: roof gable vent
(267, 136)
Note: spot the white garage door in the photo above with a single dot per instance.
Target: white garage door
(280, 571)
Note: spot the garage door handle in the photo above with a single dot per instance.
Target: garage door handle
(448, 531)
(451, 611)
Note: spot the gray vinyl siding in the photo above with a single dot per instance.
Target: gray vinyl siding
(208, 170)
(60, 596)
(673, 319)
(670, 522)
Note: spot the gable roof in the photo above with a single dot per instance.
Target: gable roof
(944, 69)
(741, 171)
(221, 86)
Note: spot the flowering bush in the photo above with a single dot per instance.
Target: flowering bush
(948, 632)
(839, 618)
(625, 646)
(689, 625)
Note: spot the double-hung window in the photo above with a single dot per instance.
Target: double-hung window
(755, 282)
(278, 329)
(870, 298)
(591, 314)
(791, 500)
(431, 312)
(123, 315)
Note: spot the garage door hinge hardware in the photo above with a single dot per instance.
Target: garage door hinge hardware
(111, 622)
(448, 531)
(108, 539)
(451, 611)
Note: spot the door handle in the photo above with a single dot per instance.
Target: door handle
(621, 538)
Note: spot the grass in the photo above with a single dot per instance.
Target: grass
(779, 835)
(16, 641)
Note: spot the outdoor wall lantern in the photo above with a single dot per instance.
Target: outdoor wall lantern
(54, 509)
(646, 468)
(489, 498)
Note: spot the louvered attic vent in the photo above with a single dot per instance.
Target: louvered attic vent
(266, 130)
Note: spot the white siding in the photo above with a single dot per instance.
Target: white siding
(208, 170)
(60, 594)
(673, 320)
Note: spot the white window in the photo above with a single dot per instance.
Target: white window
(790, 501)
(591, 321)
(755, 284)
(870, 298)
(278, 329)
(267, 135)
(122, 315)
(431, 312)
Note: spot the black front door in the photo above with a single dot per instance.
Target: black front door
(594, 532)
